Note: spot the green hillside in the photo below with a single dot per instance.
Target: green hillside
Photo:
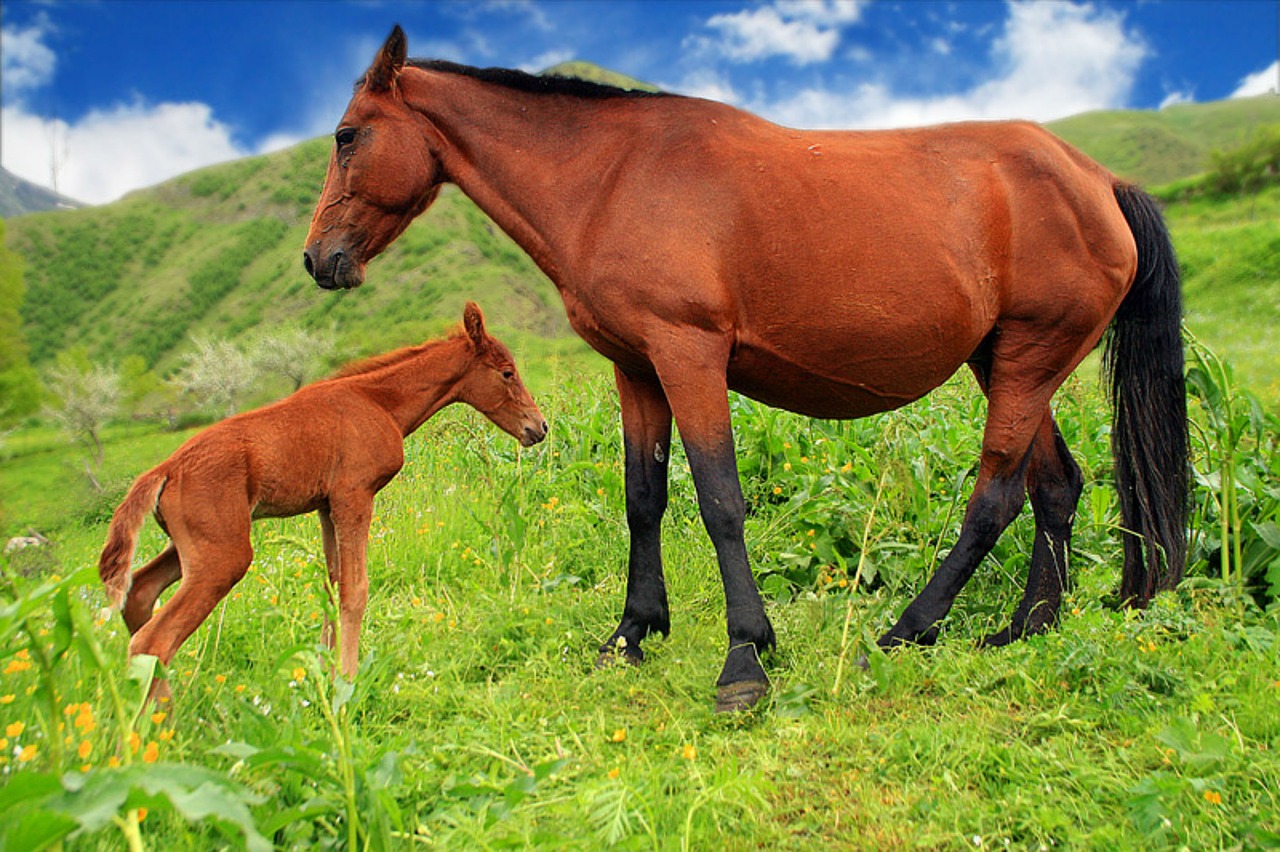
(1156, 147)
(217, 253)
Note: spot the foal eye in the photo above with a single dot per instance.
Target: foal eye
(508, 374)
(345, 136)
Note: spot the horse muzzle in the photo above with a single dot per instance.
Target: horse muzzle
(336, 271)
(533, 433)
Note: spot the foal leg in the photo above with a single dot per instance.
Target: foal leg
(149, 582)
(1054, 484)
(646, 438)
(216, 552)
(346, 527)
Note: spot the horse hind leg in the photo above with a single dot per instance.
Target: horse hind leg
(1054, 484)
(149, 582)
(1014, 415)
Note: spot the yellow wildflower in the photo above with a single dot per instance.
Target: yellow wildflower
(219, 678)
(151, 753)
(615, 772)
(299, 673)
(159, 717)
(619, 735)
(86, 748)
(1213, 797)
(6, 699)
(15, 729)
(689, 752)
(27, 753)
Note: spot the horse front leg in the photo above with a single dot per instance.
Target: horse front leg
(699, 398)
(646, 437)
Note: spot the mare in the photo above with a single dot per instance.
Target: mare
(327, 448)
(836, 274)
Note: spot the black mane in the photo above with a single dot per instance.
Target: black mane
(533, 83)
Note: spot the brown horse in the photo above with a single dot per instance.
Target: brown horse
(328, 448)
(837, 274)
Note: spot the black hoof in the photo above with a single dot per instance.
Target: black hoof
(735, 697)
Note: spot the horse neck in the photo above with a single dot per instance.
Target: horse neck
(530, 161)
(415, 388)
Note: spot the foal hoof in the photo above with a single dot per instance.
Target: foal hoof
(743, 695)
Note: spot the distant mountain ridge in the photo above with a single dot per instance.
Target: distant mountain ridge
(217, 251)
(18, 197)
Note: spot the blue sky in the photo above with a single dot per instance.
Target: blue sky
(114, 95)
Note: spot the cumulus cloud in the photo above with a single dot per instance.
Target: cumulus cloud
(1261, 83)
(106, 153)
(26, 62)
(1051, 60)
(803, 31)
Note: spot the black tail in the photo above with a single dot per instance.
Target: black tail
(1144, 364)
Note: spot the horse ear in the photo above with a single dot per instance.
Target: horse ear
(388, 63)
(473, 322)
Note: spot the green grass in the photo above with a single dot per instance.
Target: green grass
(478, 719)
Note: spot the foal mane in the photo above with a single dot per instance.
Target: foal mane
(373, 363)
(535, 84)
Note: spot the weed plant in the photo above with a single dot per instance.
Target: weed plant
(478, 719)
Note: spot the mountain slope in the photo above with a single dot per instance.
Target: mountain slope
(1156, 147)
(18, 196)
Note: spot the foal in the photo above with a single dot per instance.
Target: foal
(328, 448)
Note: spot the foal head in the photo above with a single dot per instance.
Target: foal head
(493, 387)
(380, 176)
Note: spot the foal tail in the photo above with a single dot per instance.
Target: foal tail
(122, 536)
(1143, 362)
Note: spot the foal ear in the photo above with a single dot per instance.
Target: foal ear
(388, 63)
(473, 322)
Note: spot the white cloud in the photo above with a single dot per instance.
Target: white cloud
(1261, 83)
(1051, 60)
(110, 152)
(803, 31)
(1175, 98)
(26, 62)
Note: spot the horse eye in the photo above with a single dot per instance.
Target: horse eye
(508, 374)
(345, 136)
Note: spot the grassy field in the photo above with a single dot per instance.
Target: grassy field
(479, 721)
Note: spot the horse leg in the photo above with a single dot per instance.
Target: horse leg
(699, 399)
(149, 582)
(216, 553)
(1054, 484)
(329, 539)
(1013, 419)
(646, 438)
(349, 520)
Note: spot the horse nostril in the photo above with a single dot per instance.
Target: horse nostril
(308, 264)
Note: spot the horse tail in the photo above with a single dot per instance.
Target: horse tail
(122, 536)
(1143, 363)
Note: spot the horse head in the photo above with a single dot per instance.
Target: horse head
(493, 386)
(381, 175)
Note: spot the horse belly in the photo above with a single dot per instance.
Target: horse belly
(844, 393)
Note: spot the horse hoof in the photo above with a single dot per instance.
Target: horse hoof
(743, 695)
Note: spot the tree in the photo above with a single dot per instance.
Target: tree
(294, 353)
(19, 384)
(217, 374)
(85, 396)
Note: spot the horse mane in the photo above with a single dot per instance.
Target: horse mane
(373, 363)
(534, 83)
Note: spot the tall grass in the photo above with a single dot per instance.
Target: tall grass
(478, 719)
